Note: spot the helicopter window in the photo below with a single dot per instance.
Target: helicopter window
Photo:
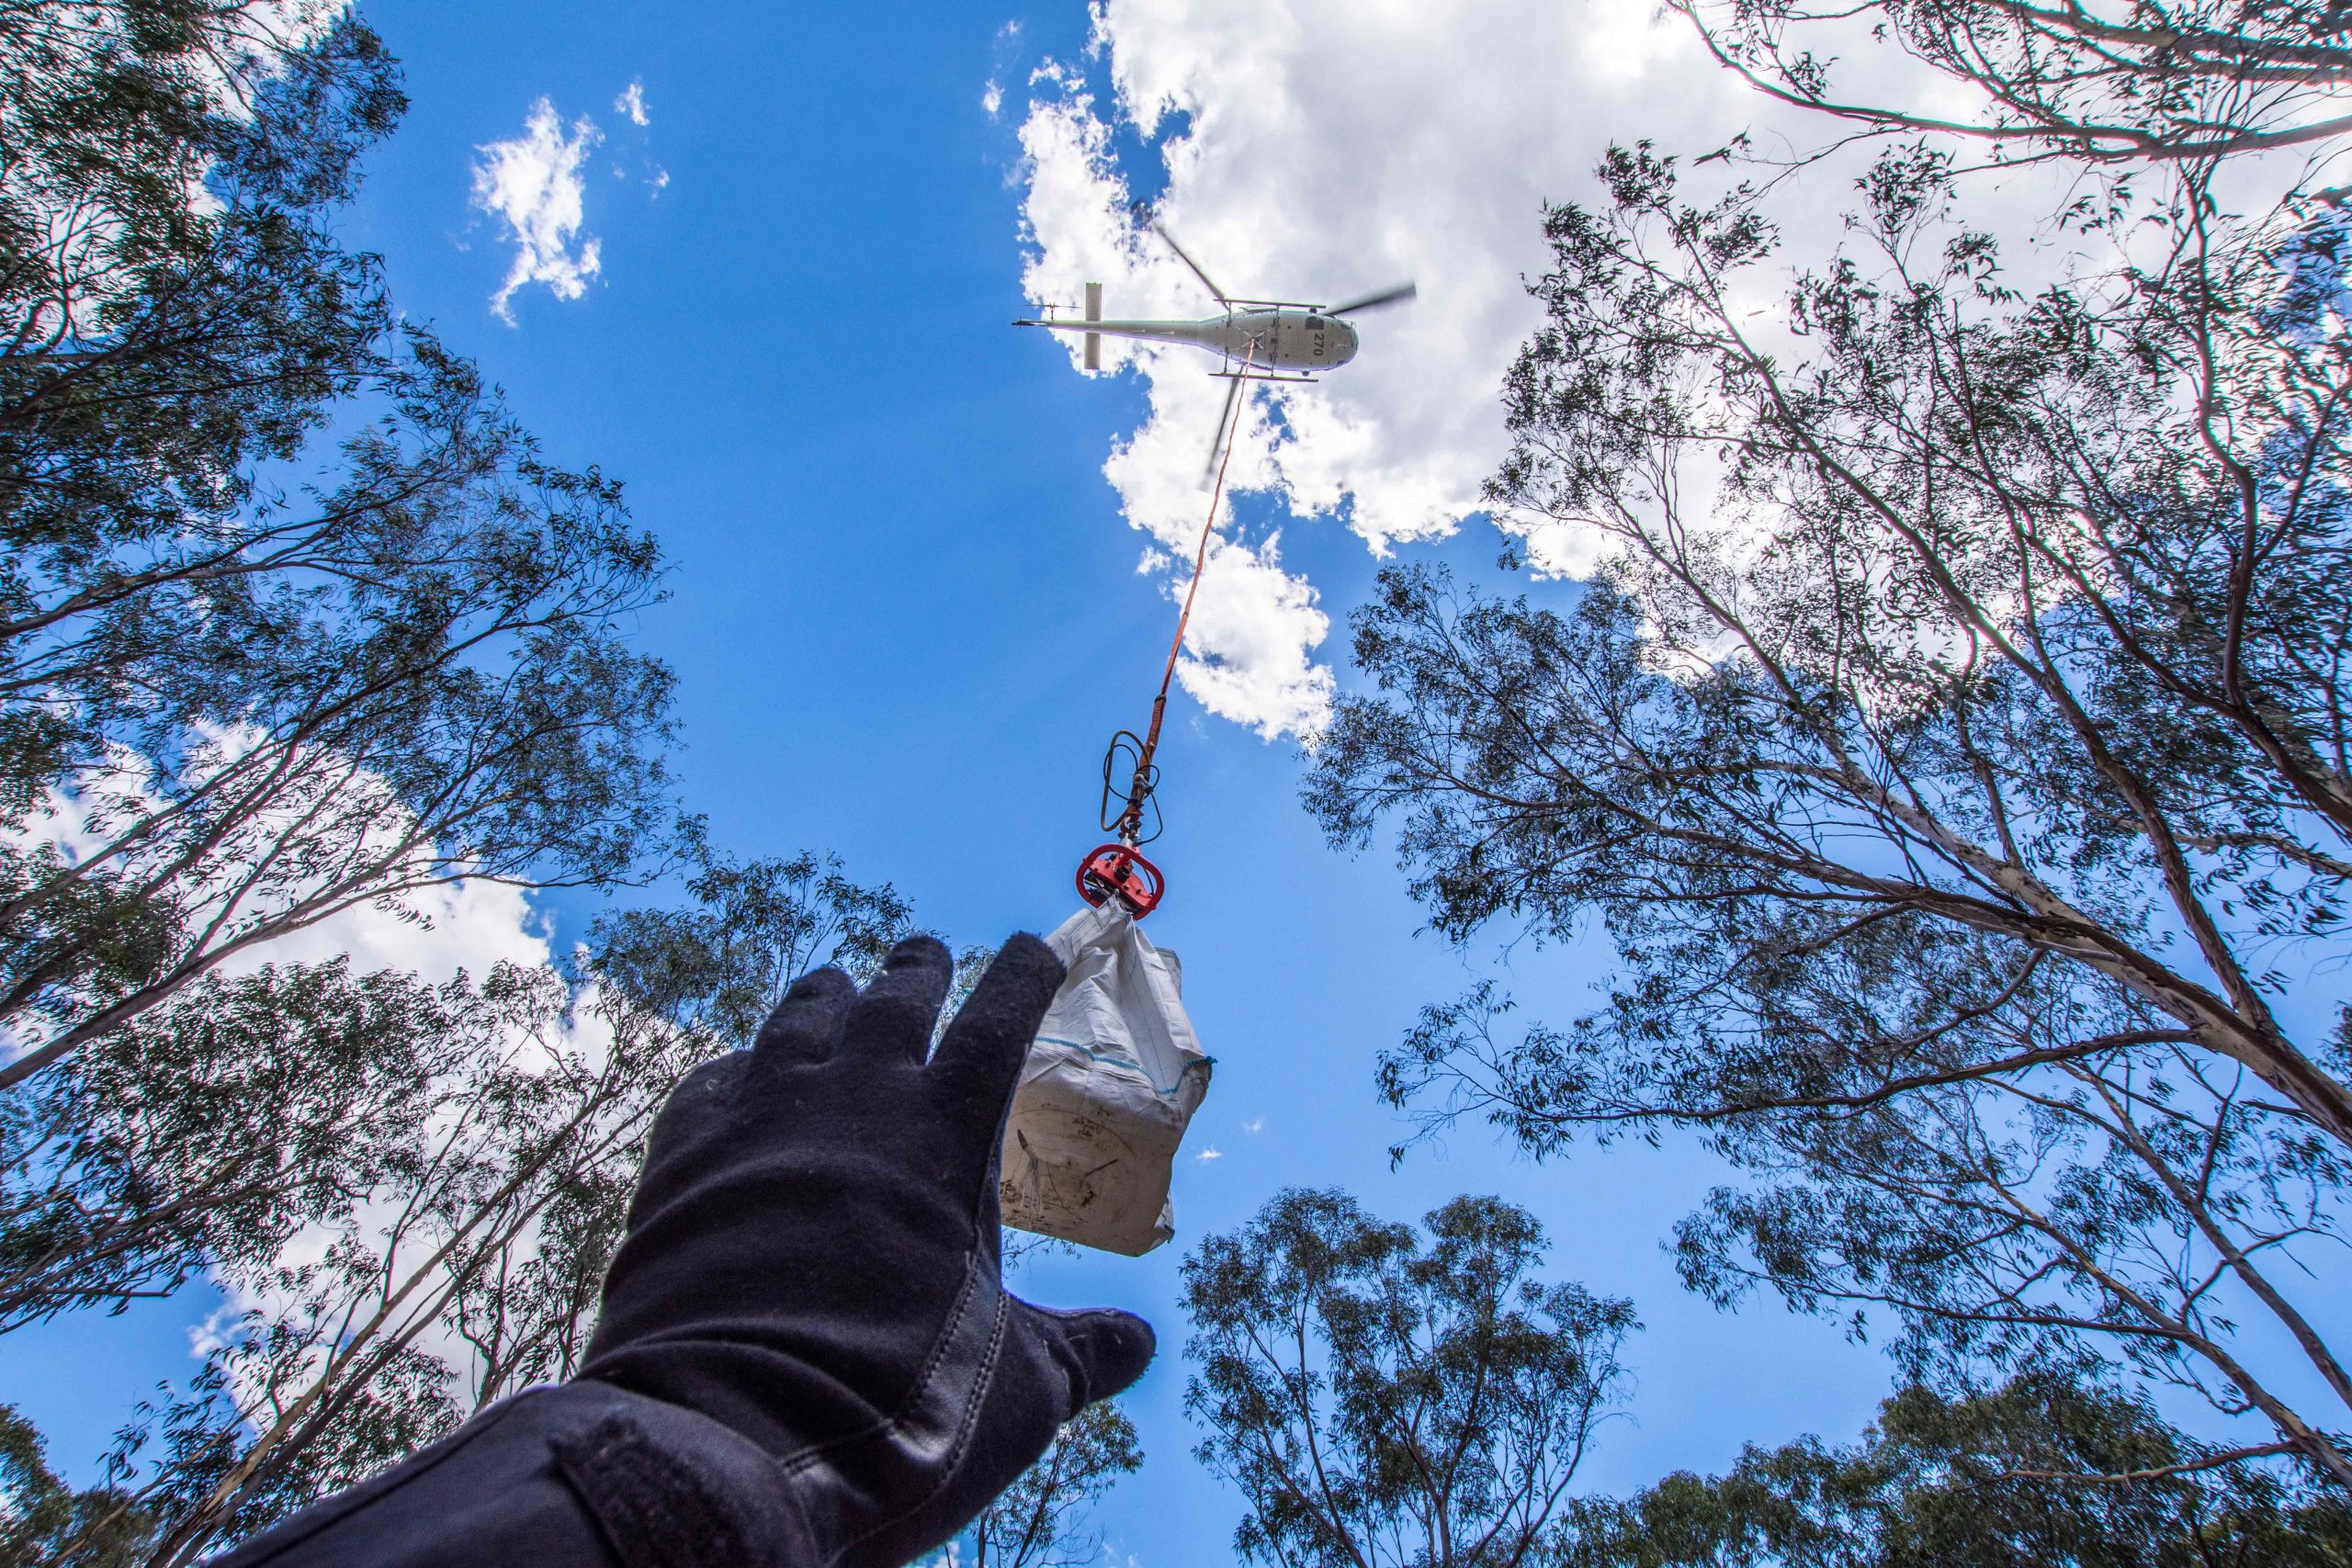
(1314, 323)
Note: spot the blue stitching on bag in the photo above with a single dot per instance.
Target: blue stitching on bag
(1128, 1063)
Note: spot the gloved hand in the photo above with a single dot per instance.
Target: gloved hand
(811, 1259)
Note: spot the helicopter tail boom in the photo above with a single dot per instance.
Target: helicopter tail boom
(1145, 332)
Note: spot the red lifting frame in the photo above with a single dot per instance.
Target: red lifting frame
(1121, 869)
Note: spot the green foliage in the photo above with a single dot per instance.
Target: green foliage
(437, 1243)
(210, 1483)
(250, 681)
(209, 1131)
(1978, 1480)
(177, 309)
(1039, 1520)
(412, 1191)
(44, 1523)
(721, 965)
(1382, 1400)
(422, 679)
(2111, 86)
(294, 618)
(1950, 744)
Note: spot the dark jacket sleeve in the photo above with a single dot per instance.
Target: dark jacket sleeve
(583, 1475)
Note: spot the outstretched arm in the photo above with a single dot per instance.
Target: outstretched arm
(807, 1357)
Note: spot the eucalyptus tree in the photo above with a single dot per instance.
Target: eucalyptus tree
(249, 677)
(215, 1127)
(352, 1331)
(173, 306)
(294, 618)
(721, 962)
(1987, 1478)
(2130, 82)
(1952, 748)
(443, 692)
(1382, 1402)
(1041, 1520)
(425, 1228)
(45, 1523)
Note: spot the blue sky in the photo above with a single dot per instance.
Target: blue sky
(907, 613)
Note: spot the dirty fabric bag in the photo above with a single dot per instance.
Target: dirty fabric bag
(1110, 1084)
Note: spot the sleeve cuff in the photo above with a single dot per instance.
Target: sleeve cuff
(572, 1476)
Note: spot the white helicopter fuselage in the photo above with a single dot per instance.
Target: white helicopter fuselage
(1294, 340)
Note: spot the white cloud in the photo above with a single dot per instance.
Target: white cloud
(535, 185)
(1246, 650)
(992, 99)
(433, 930)
(632, 103)
(1255, 1125)
(469, 925)
(1323, 148)
(1206, 1154)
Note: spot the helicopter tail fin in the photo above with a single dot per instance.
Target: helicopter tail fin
(1095, 314)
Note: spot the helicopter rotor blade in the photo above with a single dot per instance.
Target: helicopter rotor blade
(1396, 296)
(1208, 283)
(1216, 442)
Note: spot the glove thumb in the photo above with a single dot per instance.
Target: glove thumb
(1098, 1351)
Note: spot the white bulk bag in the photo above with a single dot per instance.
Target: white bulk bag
(1113, 1078)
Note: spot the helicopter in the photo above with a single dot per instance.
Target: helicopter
(1259, 340)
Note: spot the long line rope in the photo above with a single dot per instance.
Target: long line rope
(1131, 821)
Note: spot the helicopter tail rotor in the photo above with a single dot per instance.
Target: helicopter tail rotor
(1386, 296)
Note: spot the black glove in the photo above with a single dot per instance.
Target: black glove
(811, 1257)
(807, 1358)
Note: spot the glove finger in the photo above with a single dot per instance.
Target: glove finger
(892, 1018)
(1099, 1351)
(980, 1061)
(806, 1024)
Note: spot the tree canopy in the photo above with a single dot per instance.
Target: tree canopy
(1041, 1519)
(411, 1214)
(1385, 1402)
(1985, 1479)
(2112, 86)
(1951, 745)
(249, 676)
(296, 618)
